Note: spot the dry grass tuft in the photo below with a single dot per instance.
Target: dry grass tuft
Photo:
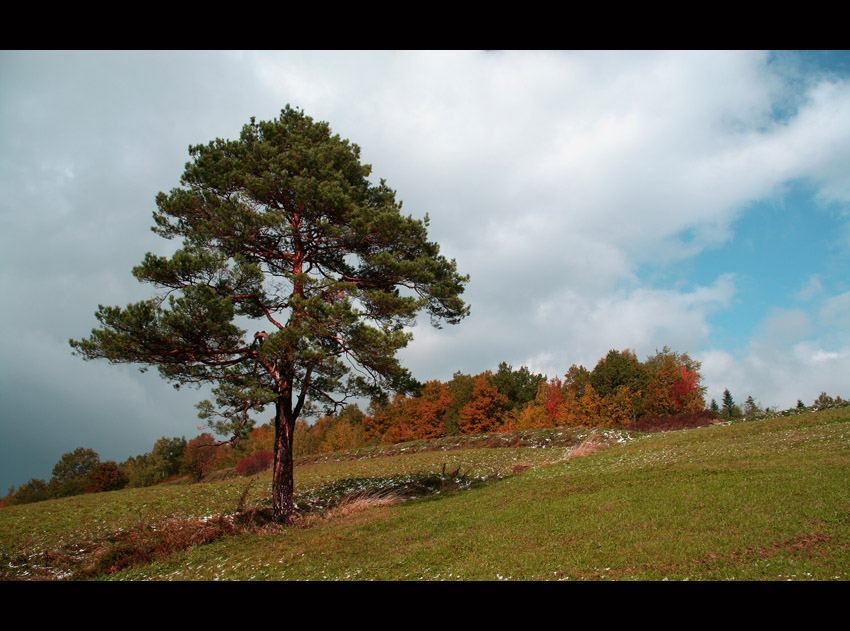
(350, 504)
(591, 444)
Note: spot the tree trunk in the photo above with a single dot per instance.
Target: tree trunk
(283, 486)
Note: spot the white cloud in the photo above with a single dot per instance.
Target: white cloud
(811, 289)
(575, 329)
(788, 359)
(836, 312)
(784, 326)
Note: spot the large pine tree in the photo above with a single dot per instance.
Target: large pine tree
(282, 230)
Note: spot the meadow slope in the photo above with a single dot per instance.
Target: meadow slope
(759, 500)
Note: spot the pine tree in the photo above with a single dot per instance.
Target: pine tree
(281, 228)
(751, 407)
(728, 404)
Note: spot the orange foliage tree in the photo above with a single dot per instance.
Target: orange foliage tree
(391, 422)
(429, 409)
(576, 407)
(619, 407)
(482, 413)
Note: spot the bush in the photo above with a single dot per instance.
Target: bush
(256, 462)
(106, 476)
(686, 420)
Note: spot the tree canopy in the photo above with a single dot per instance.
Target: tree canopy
(282, 232)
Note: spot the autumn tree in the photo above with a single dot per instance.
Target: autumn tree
(429, 410)
(483, 411)
(341, 436)
(34, 490)
(281, 230)
(141, 471)
(305, 441)
(824, 400)
(460, 387)
(343, 431)
(260, 438)
(533, 415)
(105, 476)
(200, 456)
(338, 432)
(545, 410)
(674, 384)
(554, 399)
(383, 422)
(620, 407)
(576, 383)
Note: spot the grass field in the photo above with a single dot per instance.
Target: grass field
(758, 500)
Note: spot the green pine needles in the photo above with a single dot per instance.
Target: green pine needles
(281, 228)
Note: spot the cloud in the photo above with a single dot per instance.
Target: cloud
(784, 326)
(777, 376)
(811, 289)
(789, 358)
(835, 312)
(575, 329)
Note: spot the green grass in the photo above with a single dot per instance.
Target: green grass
(761, 500)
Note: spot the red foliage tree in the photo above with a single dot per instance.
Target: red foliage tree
(256, 462)
(106, 476)
(685, 387)
(674, 385)
(554, 399)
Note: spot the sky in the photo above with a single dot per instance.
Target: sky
(598, 200)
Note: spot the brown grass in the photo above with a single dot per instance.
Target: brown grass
(350, 504)
(591, 444)
(146, 544)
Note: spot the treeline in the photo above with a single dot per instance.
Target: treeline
(81, 471)
(728, 409)
(619, 390)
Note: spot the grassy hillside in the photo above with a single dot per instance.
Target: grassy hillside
(758, 500)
